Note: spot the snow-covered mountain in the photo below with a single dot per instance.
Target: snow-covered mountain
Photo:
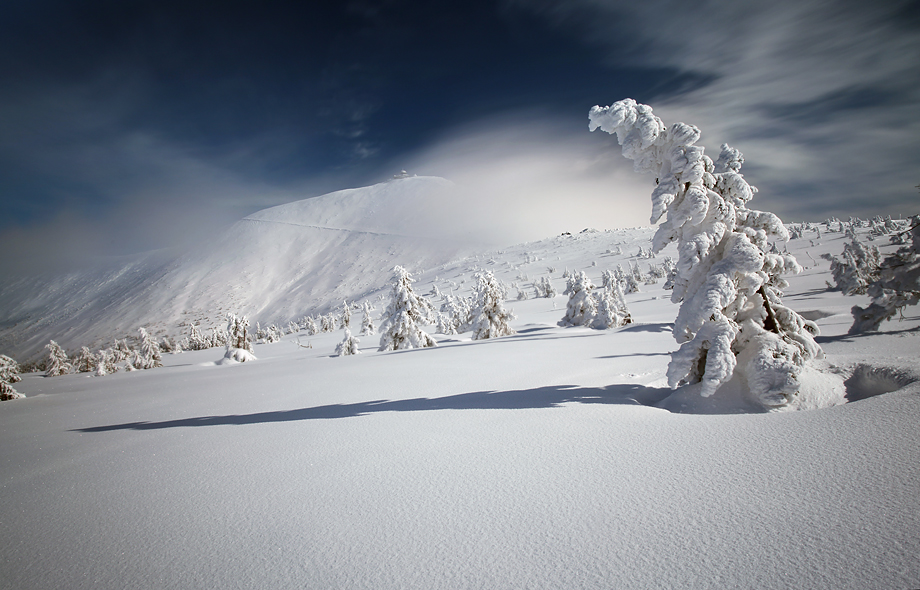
(274, 265)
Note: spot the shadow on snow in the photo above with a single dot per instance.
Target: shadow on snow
(541, 397)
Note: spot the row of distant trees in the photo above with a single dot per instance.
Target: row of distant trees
(483, 313)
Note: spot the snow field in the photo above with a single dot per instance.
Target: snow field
(539, 460)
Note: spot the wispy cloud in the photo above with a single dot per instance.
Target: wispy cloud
(527, 177)
(822, 97)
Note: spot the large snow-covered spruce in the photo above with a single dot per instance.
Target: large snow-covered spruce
(402, 320)
(729, 285)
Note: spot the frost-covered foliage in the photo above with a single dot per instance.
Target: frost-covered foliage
(367, 323)
(57, 362)
(898, 285)
(348, 346)
(728, 283)
(85, 361)
(490, 318)
(345, 318)
(611, 308)
(106, 363)
(310, 326)
(194, 340)
(581, 309)
(148, 357)
(858, 268)
(268, 335)
(238, 333)
(544, 288)
(455, 317)
(9, 374)
(404, 316)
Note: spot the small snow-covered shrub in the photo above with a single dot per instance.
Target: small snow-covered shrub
(728, 283)
(348, 346)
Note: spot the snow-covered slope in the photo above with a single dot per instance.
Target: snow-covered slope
(275, 265)
(540, 460)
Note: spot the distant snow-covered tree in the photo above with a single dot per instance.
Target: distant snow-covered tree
(490, 318)
(582, 307)
(9, 374)
(105, 363)
(148, 356)
(611, 308)
(85, 361)
(455, 315)
(238, 332)
(345, 318)
(544, 288)
(898, 285)
(729, 286)
(367, 322)
(309, 325)
(348, 346)
(194, 340)
(403, 317)
(57, 362)
(858, 269)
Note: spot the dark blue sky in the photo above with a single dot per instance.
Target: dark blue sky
(126, 126)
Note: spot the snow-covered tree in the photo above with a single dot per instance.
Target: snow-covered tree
(105, 363)
(582, 307)
(85, 361)
(455, 315)
(731, 316)
(148, 356)
(9, 374)
(402, 319)
(367, 323)
(57, 363)
(194, 340)
(490, 318)
(611, 308)
(309, 325)
(858, 269)
(238, 332)
(898, 285)
(348, 346)
(345, 318)
(544, 288)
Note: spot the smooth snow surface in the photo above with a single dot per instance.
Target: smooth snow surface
(545, 459)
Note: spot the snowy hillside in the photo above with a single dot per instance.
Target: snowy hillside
(275, 265)
(551, 459)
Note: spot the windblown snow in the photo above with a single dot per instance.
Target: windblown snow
(552, 458)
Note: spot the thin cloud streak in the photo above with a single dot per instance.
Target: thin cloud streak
(822, 97)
